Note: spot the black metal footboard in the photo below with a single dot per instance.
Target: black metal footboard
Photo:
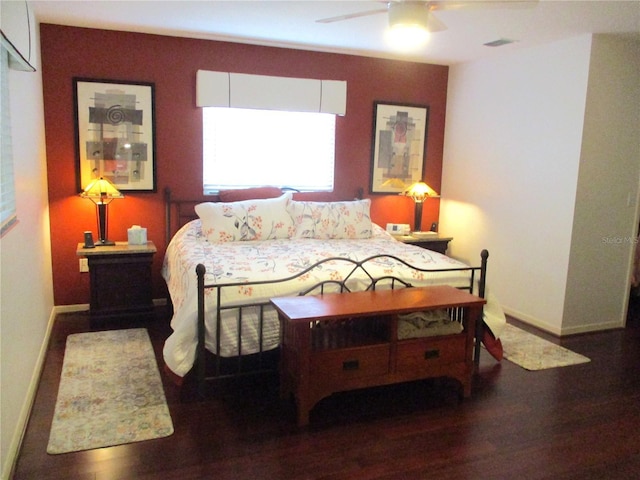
(260, 363)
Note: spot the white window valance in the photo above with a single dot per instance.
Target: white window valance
(262, 92)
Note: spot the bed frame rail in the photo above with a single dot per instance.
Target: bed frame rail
(259, 363)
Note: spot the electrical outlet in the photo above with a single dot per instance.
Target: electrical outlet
(84, 265)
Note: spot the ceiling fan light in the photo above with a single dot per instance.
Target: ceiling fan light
(415, 14)
(408, 36)
(408, 25)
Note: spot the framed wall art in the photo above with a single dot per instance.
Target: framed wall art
(399, 146)
(114, 126)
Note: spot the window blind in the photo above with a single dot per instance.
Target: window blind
(7, 185)
(252, 148)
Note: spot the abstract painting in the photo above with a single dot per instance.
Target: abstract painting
(398, 150)
(115, 133)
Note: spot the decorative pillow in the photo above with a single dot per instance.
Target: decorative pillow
(327, 220)
(249, 194)
(262, 219)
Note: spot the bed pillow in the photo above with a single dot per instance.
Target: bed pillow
(330, 220)
(261, 219)
(249, 194)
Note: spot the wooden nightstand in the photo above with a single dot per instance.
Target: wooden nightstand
(435, 242)
(120, 278)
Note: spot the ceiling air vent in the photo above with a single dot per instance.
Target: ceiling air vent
(498, 43)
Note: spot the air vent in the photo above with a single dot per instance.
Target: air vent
(498, 43)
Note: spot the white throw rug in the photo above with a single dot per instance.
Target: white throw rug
(535, 353)
(110, 392)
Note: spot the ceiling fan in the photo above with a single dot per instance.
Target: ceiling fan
(409, 12)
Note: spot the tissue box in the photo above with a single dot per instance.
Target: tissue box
(137, 235)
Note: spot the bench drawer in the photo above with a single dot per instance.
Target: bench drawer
(419, 354)
(347, 363)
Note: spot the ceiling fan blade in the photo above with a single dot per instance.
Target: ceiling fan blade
(434, 25)
(349, 16)
(473, 4)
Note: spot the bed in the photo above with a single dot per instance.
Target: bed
(223, 266)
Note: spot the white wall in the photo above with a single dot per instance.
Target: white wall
(25, 269)
(511, 156)
(605, 220)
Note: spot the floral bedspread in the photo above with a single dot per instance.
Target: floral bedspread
(267, 260)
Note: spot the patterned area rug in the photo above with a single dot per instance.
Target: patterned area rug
(535, 353)
(110, 392)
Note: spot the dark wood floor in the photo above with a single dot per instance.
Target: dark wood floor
(579, 422)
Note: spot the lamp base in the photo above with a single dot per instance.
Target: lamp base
(105, 243)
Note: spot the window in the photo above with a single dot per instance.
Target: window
(250, 148)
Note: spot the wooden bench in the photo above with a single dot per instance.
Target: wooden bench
(344, 341)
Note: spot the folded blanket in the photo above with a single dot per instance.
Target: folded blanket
(427, 324)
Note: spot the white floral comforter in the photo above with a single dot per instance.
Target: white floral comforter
(252, 261)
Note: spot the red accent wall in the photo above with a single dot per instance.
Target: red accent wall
(171, 64)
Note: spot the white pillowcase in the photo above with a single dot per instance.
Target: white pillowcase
(328, 220)
(260, 219)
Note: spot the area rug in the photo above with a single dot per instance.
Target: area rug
(534, 353)
(110, 392)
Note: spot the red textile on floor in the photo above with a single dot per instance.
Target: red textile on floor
(492, 344)
(177, 380)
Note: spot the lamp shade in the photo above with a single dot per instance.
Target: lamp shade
(101, 190)
(419, 191)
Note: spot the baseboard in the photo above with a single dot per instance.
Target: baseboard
(534, 322)
(562, 331)
(25, 412)
(598, 327)
(83, 307)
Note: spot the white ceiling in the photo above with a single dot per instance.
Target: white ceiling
(293, 23)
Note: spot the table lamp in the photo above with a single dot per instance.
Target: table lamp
(101, 191)
(419, 191)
